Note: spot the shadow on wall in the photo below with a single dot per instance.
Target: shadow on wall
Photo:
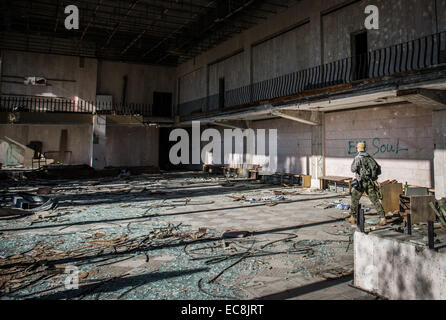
(406, 279)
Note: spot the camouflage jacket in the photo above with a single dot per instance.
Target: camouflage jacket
(356, 165)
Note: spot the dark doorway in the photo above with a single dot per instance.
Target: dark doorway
(221, 93)
(124, 90)
(164, 149)
(162, 104)
(360, 49)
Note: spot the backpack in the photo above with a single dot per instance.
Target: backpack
(370, 169)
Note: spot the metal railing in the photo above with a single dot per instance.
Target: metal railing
(403, 57)
(57, 105)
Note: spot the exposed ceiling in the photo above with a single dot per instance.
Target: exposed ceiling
(144, 31)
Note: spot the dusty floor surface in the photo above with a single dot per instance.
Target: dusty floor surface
(160, 237)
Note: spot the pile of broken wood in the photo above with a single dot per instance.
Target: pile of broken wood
(440, 211)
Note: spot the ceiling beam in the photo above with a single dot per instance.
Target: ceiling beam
(215, 23)
(91, 20)
(312, 118)
(130, 8)
(187, 28)
(232, 124)
(57, 16)
(174, 32)
(435, 99)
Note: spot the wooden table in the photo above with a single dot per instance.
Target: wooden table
(336, 180)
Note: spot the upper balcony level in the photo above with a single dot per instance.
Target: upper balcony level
(417, 60)
(307, 50)
(21, 104)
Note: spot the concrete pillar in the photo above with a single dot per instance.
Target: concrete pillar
(439, 132)
(98, 142)
(317, 154)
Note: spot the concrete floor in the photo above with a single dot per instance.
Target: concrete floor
(296, 248)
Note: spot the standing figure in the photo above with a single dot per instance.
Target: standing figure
(367, 171)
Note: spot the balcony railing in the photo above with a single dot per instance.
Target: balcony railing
(56, 105)
(404, 57)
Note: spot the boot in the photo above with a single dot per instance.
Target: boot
(351, 220)
(383, 222)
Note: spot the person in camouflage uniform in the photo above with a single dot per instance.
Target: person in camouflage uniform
(367, 172)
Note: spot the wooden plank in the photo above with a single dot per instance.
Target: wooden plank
(420, 210)
(306, 181)
(336, 178)
(391, 196)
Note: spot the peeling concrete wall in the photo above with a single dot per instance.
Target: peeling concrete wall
(18, 65)
(142, 81)
(225, 69)
(120, 144)
(79, 138)
(399, 137)
(400, 21)
(441, 10)
(241, 70)
(103, 77)
(193, 85)
(293, 147)
(439, 131)
(282, 54)
(293, 144)
(390, 266)
(325, 38)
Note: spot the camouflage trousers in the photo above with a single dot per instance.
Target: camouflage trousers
(370, 190)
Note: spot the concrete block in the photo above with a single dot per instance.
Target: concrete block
(427, 274)
(383, 264)
(442, 275)
(364, 272)
(404, 279)
(389, 265)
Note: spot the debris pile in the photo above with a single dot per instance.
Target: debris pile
(25, 204)
(44, 261)
(115, 231)
(268, 201)
(440, 211)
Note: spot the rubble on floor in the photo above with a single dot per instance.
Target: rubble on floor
(166, 236)
(440, 211)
